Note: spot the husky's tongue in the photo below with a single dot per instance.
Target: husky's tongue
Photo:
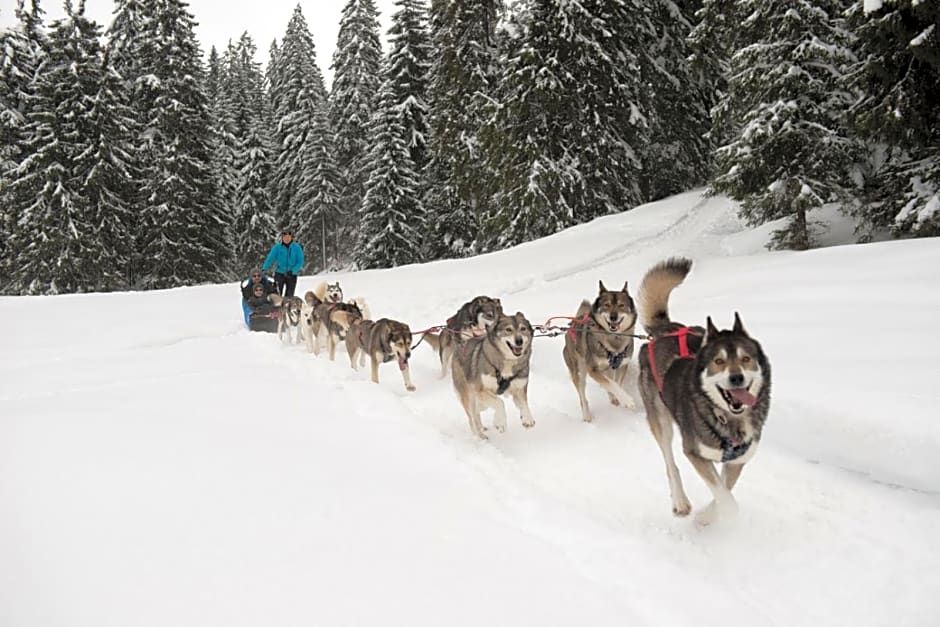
(742, 396)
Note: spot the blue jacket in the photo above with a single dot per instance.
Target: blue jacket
(287, 258)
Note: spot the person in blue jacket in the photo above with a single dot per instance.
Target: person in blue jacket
(288, 257)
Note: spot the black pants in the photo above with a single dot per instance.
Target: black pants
(286, 284)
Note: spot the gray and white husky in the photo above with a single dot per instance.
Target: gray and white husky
(599, 344)
(288, 316)
(715, 385)
(472, 320)
(486, 367)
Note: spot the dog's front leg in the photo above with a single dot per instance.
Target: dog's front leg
(613, 389)
(520, 396)
(494, 402)
(660, 423)
(376, 358)
(724, 504)
(406, 377)
(332, 344)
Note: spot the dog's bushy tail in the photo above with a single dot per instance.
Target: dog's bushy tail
(275, 299)
(320, 291)
(655, 289)
(433, 340)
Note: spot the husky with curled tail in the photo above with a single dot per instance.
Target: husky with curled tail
(714, 385)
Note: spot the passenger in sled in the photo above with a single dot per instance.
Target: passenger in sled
(259, 313)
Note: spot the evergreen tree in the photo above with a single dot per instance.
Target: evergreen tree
(898, 76)
(70, 233)
(392, 216)
(790, 152)
(224, 148)
(22, 50)
(253, 210)
(254, 221)
(357, 66)
(563, 140)
(713, 40)
(462, 76)
(409, 62)
(678, 153)
(182, 233)
(298, 92)
(320, 193)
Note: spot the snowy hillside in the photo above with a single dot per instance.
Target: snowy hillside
(160, 465)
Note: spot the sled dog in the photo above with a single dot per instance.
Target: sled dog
(383, 340)
(471, 320)
(599, 345)
(715, 386)
(486, 367)
(329, 292)
(289, 315)
(331, 323)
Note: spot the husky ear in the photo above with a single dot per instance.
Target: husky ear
(710, 330)
(624, 290)
(738, 327)
(600, 285)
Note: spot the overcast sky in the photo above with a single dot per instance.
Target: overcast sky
(221, 20)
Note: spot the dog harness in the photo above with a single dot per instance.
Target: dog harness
(616, 359)
(502, 383)
(684, 353)
(731, 449)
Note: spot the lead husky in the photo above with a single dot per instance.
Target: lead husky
(383, 341)
(600, 345)
(471, 320)
(486, 367)
(714, 384)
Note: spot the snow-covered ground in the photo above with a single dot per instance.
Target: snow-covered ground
(160, 465)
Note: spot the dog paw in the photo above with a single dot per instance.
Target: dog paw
(528, 423)
(628, 402)
(587, 418)
(614, 401)
(410, 388)
(706, 516)
(682, 508)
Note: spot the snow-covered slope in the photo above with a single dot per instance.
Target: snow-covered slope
(159, 465)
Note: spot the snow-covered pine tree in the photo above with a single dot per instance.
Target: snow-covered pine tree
(299, 91)
(223, 142)
(254, 221)
(320, 194)
(790, 152)
(392, 216)
(563, 141)
(71, 214)
(22, 49)
(181, 234)
(462, 75)
(253, 210)
(356, 79)
(678, 154)
(713, 40)
(409, 62)
(898, 76)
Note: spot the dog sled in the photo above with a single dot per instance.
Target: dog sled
(261, 318)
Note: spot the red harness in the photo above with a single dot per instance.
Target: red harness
(575, 323)
(684, 352)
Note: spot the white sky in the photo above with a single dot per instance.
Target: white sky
(221, 20)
